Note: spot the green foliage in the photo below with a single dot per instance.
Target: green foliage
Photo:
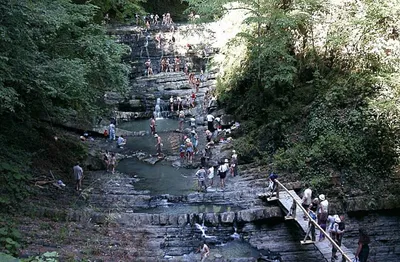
(318, 87)
(119, 10)
(56, 63)
(9, 237)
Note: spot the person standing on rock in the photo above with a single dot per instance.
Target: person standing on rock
(189, 150)
(158, 145)
(78, 175)
(210, 176)
(113, 162)
(222, 170)
(179, 102)
(306, 200)
(111, 131)
(201, 179)
(153, 125)
(171, 103)
(107, 158)
(234, 162)
(181, 119)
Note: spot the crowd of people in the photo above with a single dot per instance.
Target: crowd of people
(331, 224)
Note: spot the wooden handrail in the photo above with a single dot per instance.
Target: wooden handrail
(314, 222)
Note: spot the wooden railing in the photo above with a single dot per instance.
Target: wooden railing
(312, 220)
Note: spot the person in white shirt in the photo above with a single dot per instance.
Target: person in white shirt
(306, 200)
(222, 170)
(121, 141)
(210, 122)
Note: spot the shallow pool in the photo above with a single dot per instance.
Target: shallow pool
(159, 178)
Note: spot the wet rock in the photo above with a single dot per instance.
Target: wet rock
(177, 164)
(152, 160)
(211, 218)
(254, 214)
(227, 217)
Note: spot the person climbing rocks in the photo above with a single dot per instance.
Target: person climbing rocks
(153, 125)
(208, 136)
(195, 141)
(210, 122)
(158, 145)
(201, 179)
(78, 175)
(204, 251)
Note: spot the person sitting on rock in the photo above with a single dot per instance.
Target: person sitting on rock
(121, 141)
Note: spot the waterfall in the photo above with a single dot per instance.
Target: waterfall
(157, 109)
(203, 229)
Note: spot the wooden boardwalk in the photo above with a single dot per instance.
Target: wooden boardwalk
(324, 246)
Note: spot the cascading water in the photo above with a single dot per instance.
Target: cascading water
(157, 109)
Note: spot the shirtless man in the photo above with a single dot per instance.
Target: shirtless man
(152, 125)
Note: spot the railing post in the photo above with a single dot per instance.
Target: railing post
(312, 221)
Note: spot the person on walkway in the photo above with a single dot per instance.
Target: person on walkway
(113, 163)
(111, 131)
(181, 119)
(234, 162)
(292, 211)
(306, 200)
(78, 175)
(201, 179)
(158, 145)
(362, 252)
(311, 226)
(222, 170)
(210, 122)
(322, 222)
(336, 231)
(272, 185)
(323, 207)
(121, 141)
(153, 125)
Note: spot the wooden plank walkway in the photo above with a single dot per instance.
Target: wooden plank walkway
(324, 246)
